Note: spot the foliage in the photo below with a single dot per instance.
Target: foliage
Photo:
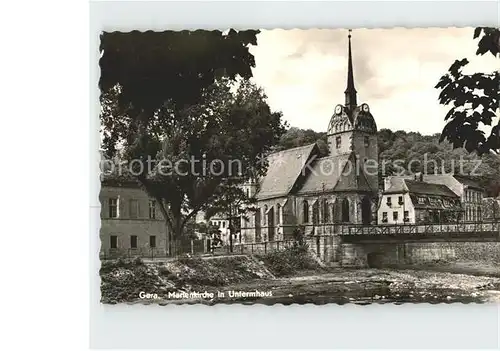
(123, 280)
(289, 261)
(154, 67)
(475, 100)
(414, 153)
(421, 153)
(225, 133)
(295, 137)
(171, 96)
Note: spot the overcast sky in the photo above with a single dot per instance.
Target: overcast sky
(303, 72)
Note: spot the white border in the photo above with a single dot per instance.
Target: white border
(329, 326)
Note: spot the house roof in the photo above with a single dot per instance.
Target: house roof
(284, 169)
(433, 203)
(470, 182)
(403, 185)
(424, 188)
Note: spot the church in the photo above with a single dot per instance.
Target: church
(301, 187)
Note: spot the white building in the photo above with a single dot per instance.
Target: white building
(407, 201)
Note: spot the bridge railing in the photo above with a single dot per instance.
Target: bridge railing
(415, 229)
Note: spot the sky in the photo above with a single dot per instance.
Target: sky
(304, 73)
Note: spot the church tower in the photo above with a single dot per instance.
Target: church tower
(352, 128)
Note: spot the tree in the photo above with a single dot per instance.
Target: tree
(475, 100)
(295, 137)
(232, 203)
(196, 153)
(167, 96)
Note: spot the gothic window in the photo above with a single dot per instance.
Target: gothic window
(326, 214)
(278, 214)
(345, 211)
(315, 213)
(305, 212)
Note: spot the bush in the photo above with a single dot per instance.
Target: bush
(288, 262)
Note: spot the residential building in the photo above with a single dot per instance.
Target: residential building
(131, 223)
(406, 201)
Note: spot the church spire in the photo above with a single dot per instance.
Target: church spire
(350, 92)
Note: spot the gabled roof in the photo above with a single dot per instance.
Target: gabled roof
(423, 188)
(333, 173)
(468, 181)
(325, 174)
(285, 167)
(404, 185)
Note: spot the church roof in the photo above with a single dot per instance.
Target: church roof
(285, 167)
(332, 173)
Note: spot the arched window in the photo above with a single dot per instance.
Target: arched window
(345, 211)
(305, 212)
(326, 213)
(278, 214)
(315, 210)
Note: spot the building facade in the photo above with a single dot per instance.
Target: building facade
(406, 201)
(302, 188)
(470, 192)
(131, 223)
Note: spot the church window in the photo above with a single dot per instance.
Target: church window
(338, 142)
(345, 211)
(326, 214)
(306, 212)
(315, 210)
(367, 141)
(278, 214)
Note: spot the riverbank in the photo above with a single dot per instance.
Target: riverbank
(247, 280)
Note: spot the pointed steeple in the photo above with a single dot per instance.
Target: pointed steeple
(350, 92)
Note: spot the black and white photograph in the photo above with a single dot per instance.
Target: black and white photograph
(294, 166)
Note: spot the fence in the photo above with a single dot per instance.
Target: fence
(316, 236)
(182, 247)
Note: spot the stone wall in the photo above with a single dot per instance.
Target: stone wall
(380, 255)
